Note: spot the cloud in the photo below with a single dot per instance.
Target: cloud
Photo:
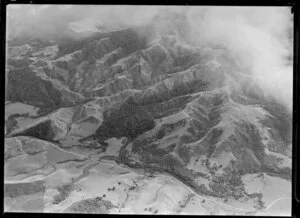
(50, 21)
(260, 38)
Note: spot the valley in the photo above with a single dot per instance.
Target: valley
(141, 120)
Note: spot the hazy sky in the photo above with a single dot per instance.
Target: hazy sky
(260, 37)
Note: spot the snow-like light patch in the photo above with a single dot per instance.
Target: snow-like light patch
(23, 122)
(271, 187)
(236, 113)
(62, 118)
(284, 160)
(113, 147)
(222, 159)
(85, 127)
(68, 57)
(85, 25)
(282, 207)
(19, 108)
(198, 166)
(171, 119)
(108, 55)
(48, 51)
(16, 51)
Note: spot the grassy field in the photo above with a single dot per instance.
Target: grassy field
(19, 108)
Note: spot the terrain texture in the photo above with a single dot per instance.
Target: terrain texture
(141, 120)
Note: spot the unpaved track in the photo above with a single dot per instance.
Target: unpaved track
(162, 175)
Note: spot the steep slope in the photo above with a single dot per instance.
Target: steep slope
(186, 111)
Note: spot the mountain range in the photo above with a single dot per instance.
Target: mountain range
(187, 111)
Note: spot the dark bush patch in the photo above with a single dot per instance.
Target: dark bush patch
(42, 131)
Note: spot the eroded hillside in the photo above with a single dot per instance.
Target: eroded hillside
(183, 110)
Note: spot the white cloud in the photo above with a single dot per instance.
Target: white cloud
(259, 37)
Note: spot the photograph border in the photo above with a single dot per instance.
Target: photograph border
(296, 78)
